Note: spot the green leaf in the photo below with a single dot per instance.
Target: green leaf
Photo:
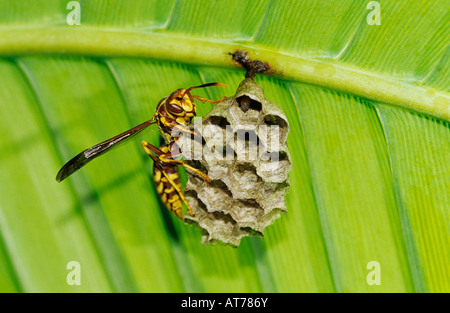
(368, 108)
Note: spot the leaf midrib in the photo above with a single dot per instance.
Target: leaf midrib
(95, 41)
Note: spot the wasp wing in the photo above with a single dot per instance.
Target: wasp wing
(88, 155)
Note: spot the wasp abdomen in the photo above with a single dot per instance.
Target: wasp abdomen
(166, 190)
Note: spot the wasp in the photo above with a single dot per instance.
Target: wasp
(173, 115)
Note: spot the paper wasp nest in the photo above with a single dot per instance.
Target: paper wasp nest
(244, 153)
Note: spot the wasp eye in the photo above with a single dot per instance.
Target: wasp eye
(175, 108)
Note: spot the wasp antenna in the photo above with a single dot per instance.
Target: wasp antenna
(204, 86)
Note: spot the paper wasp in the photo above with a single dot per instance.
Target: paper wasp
(173, 115)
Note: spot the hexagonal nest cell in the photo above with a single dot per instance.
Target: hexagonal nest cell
(244, 152)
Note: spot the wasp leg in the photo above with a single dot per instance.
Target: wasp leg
(177, 162)
(187, 131)
(166, 157)
(150, 149)
(183, 129)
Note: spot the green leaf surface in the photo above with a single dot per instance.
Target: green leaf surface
(368, 108)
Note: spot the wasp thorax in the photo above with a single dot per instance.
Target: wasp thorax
(244, 152)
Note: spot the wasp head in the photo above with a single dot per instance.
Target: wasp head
(180, 104)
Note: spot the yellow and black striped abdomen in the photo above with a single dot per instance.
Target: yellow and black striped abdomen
(166, 190)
